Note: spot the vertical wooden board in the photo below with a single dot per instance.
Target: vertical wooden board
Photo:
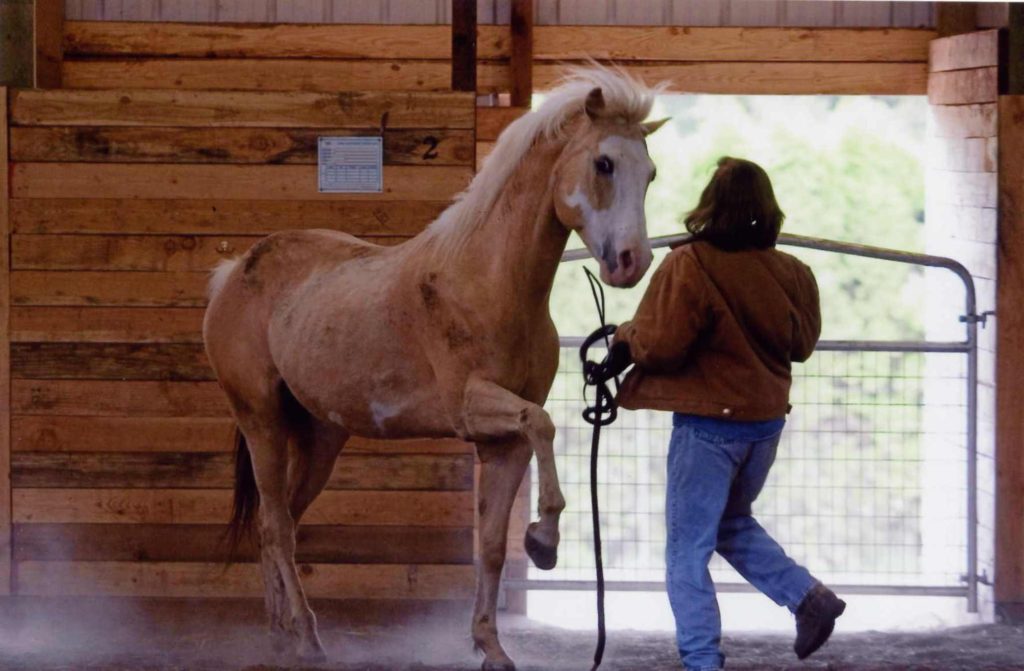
(803, 14)
(49, 37)
(188, 10)
(91, 10)
(640, 12)
(303, 11)
(5, 363)
(585, 12)
(912, 15)
(357, 11)
(412, 11)
(864, 14)
(755, 13)
(1009, 587)
(245, 11)
(698, 12)
(993, 14)
(546, 12)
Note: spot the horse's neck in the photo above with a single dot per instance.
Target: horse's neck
(520, 243)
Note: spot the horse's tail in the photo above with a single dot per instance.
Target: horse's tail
(247, 497)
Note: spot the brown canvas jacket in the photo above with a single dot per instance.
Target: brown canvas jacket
(716, 332)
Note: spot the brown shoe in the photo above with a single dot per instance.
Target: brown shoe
(815, 619)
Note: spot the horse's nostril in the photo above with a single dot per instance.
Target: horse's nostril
(626, 260)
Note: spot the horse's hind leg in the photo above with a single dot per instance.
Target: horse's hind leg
(502, 466)
(267, 435)
(317, 448)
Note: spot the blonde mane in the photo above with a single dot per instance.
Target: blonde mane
(627, 100)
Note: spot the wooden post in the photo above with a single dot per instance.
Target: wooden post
(1009, 530)
(1014, 63)
(15, 43)
(49, 41)
(5, 360)
(464, 45)
(954, 18)
(522, 52)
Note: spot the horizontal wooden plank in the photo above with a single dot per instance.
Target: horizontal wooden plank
(392, 75)
(490, 121)
(132, 144)
(963, 87)
(748, 78)
(205, 543)
(215, 470)
(49, 433)
(678, 43)
(213, 506)
(180, 253)
(228, 182)
(30, 287)
(118, 399)
(106, 38)
(272, 109)
(215, 580)
(197, 40)
(741, 77)
(972, 189)
(963, 52)
(962, 121)
(132, 325)
(220, 217)
(110, 361)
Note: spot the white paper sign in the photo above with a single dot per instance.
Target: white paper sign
(350, 164)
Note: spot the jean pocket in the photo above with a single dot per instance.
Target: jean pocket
(713, 438)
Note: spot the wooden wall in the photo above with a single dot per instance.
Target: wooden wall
(963, 142)
(121, 201)
(350, 57)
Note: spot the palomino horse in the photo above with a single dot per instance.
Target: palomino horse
(316, 336)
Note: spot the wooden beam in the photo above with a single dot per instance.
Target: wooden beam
(522, 52)
(49, 41)
(1009, 531)
(15, 45)
(954, 18)
(5, 361)
(463, 45)
(213, 506)
(1014, 63)
(194, 579)
(234, 109)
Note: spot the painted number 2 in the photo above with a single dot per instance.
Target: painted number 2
(431, 152)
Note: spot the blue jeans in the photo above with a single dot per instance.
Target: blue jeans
(716, 469)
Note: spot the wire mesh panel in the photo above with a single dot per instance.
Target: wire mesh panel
(869, 486)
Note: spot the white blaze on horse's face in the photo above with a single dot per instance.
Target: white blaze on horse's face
(600, 186)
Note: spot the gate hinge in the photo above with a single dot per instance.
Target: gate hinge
(978, 319)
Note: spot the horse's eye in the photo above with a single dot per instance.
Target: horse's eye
(604, 165)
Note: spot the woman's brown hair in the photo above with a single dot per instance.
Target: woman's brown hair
(737, 209)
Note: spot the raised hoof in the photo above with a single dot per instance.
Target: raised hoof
(506, 665)
(543, 556)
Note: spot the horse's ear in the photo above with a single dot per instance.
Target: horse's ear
(651, 126)
(595, 103)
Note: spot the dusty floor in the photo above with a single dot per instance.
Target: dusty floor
(56, 641)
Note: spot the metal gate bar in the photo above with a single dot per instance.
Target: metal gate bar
(968, 346)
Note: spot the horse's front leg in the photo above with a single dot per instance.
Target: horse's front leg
(502, 466)
(493, 413)
(507, 430)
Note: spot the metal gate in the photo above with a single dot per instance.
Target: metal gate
(875, 484)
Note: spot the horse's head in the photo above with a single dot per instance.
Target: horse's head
(600, 185)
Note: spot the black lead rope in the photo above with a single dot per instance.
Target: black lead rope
(602, 413)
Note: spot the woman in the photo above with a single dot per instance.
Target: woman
(713, 341)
